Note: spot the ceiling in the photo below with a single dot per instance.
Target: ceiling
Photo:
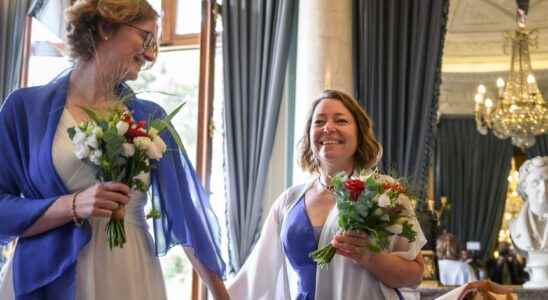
(475, 34)
(474, 49)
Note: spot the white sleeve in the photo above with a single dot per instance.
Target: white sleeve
(262, 276)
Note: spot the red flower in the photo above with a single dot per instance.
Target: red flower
(136, 129)
(355, 187)
(394, 186)
(126, 117)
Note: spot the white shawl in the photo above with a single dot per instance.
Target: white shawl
(267, 275)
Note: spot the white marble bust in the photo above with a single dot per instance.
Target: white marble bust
(529, 230)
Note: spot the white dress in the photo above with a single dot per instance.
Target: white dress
(343, 279)
(132, 272)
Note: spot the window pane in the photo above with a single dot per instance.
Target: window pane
(189, 16)
(157, 5)
(169, 85)
(46, 58)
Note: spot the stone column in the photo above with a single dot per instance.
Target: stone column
(324, 57)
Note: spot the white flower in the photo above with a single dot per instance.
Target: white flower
(157, 140)
(91, 141)
(81, 151)
(122, 127)
(79, 137)
(395, 229)
(95, 156)
(153, 132)
(142, 142)
(385, 179)
(154, 152)
(383, 200)
(128, 150)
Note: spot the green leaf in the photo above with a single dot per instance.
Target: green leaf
(92, 114)
(176, 138)
(71, 132)
(408, 232)
(153, 214)
(161, 124)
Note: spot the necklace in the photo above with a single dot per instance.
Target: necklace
(326, 187)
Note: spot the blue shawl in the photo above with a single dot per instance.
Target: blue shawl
(44, 265)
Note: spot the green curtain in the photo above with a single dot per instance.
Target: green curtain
(471, 170)
(256, 43)
(398, 57)
(12, 26)
(540, 148)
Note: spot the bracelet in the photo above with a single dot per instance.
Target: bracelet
(75, 218)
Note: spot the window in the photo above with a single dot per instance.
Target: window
(46, 59)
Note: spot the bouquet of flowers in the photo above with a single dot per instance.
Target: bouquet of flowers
(122, 149)
(376, 204)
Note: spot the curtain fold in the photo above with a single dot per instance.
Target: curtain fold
(398, 54)
(256, 39)
(12, 26)
(472, 171)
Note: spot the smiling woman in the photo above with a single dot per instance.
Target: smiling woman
(338, 137)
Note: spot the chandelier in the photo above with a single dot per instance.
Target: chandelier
(519, 110)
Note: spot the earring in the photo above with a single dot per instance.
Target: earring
(106, 38)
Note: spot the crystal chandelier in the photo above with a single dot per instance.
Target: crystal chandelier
(519, 110)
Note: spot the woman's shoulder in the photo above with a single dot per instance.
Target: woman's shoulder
(289, 197)
(22, 95)
(26, 96)
(150, 107)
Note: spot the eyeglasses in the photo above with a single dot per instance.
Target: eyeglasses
(149, 40)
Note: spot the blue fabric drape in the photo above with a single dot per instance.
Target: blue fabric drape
(12, 27)
(256, 39)
(398, 54)
(472, 171)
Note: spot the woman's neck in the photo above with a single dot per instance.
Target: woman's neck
(88, 85)
(327, 172)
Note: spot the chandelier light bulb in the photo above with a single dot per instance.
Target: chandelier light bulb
(481, 89)
(531, 79)
(500, 82)
(478, 98)
(489, 103)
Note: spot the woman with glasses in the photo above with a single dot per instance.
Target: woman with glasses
(50, 201)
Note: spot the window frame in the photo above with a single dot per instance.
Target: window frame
(169, 36)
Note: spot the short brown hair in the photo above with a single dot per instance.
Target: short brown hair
(447, 247)
(84, 17)
(368, 147)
